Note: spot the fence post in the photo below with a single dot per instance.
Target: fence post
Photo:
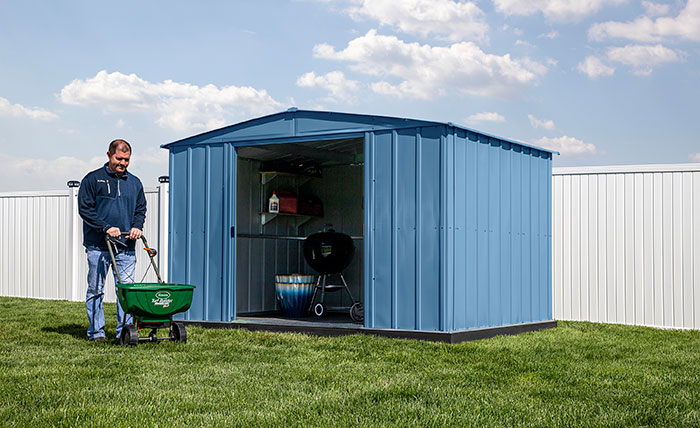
(76, 281)
(163, 230)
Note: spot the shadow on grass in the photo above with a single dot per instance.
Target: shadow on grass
(72, 329)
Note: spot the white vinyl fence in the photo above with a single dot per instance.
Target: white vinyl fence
(41, 251)
(626, 245)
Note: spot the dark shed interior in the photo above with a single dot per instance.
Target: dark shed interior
(330, 172)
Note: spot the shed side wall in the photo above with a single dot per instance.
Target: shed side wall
(498, 232)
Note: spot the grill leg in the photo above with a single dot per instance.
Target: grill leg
(345, 284)
(323, 288)
(313, 296)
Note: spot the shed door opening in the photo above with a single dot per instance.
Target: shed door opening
(320, 185)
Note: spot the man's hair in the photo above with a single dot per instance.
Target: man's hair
(119, 145)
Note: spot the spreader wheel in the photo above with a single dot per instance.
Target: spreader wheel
(130, 336)
(178, 332)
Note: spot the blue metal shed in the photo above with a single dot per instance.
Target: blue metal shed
(453, 226)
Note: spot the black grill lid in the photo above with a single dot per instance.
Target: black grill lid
(328, 252)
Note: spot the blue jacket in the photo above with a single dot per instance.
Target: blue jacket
(105, 201)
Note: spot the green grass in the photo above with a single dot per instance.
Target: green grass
(579, 374)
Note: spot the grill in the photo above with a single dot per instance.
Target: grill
(329, 253)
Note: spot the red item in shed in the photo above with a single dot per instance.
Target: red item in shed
(289, 203)
(311, 205)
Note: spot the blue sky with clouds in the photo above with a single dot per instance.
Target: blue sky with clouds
(604, 82)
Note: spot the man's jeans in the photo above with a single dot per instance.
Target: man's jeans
(98, 266)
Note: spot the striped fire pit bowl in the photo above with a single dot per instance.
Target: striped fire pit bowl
(294, 293)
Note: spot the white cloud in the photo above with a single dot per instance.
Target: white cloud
(655, 9)
(180, 106)
(534, 66)
(447, 19)
(594, 67)
(643, 58)
(641, 29)
(551, 35)
(644, 29)
(21, 173)
(152, 157)
(566, 146)
(554, 10)
(18, 110)
(524, 43)
(695, 157)
(485, 117)
(120, 123)
(538, 123)
(426, 72)
(340, 88)
(27, 174)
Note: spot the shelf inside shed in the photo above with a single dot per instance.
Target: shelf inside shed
(300, 219)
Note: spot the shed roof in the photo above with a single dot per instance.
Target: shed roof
(295, 123)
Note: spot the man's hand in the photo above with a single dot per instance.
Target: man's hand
(135, 233)
(114, 232)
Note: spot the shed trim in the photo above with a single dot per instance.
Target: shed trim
(371, 123)
(334, 330)
(282, 140)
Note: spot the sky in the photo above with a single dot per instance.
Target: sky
(603, 82)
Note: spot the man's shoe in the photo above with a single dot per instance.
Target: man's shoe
(97, 339)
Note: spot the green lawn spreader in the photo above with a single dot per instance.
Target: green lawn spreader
(152, 305)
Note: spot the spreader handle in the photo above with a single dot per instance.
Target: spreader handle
(114, 261)
(150, 256)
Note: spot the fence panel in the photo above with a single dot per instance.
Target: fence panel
(628, 242)
(35, 233)
(41, 252)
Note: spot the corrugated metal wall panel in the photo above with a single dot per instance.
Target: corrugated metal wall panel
(179, 178)
(428, 229)
(404, 189)
(200, 235)
(488, 262)
(405, 236)
(626, 245)
(502, 272)
(380, 309)
(457, 304)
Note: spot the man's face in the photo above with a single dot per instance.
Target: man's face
(119, 161)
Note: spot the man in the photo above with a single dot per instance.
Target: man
(111, 203)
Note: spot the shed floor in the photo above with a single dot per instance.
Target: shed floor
(335, 320)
